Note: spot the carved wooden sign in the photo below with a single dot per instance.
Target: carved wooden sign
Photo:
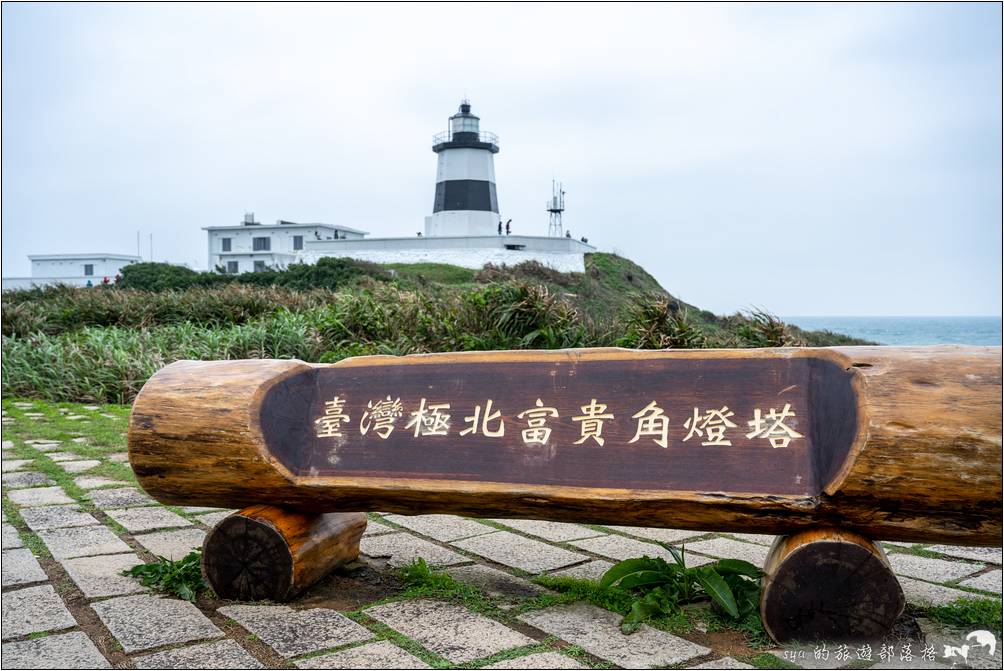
(895, 443)
(767, 425)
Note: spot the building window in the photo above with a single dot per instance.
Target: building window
(232, 267)
(88, 269)
(297, 242)
(259, 266)
(261, 244)
(226, 244)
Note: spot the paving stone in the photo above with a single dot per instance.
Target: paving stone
(597, 631)
(978, 656)
(13, 464)
(932, 570)
(759, 539)
(82, 541)
(199, 509)
(39, 496)
(119, 498)
(47, 447)
(60, 651)
(558, 532)
(374, 528)
(172, 544)
(146, 519)
(143, 622)
(380, 655)
(509, 549)
(988, 582)
(35, 415)
(988, 555)
(75, 418)
(297, 632)
(90, 407)
(915, 662)
(495, 582)
(441, 527)
(671, 536)
(403, 548)
(19, 567)
(56, 517)
(120, 457)
(22, 405)
(212, 519)
(726, 548)
(33, 609)
(80, 441)
(620, 548)
(923, 593)
(60, 457)
(224, 654)
(22, 479)
(593, 570)
(539, 660)
(449, 630)
(723, 663)
(11, 539)
(95, 481)
(102, 576)
(79, 466)
(818, 655)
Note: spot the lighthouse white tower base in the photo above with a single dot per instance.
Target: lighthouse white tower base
(463, 229)
(461, 223)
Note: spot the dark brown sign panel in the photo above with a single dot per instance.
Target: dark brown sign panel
(771, 426)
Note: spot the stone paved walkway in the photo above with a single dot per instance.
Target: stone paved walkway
(74, 519)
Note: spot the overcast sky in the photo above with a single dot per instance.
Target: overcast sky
(810, 159)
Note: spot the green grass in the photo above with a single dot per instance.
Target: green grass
(765, 660)
(568, 590)
(101, 345)
(969, 612)
(436, 273)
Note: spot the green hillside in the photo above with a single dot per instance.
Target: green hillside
(103, 343)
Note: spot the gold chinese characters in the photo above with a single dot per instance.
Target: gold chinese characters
(711, 426)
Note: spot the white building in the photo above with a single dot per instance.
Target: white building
(78, 270)
(251, 246)
(465, 228)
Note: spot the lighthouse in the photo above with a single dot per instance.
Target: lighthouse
(466, 203)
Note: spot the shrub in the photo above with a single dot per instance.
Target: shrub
(182, 577)
(656, 322)
(157, 276)
(660, 588)
(327, 273)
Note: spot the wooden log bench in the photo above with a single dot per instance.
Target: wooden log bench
(830, 448)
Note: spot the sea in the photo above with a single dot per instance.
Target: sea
(910, 330)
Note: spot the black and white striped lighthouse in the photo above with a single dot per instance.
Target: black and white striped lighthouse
(466, 203)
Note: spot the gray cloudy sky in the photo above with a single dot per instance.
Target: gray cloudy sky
(810, 159)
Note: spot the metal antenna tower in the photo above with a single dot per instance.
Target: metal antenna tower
(555, 206)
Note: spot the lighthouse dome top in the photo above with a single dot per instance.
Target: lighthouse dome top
(465, 132)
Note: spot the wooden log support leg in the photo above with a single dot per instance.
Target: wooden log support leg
(264, 552)
(828, 585)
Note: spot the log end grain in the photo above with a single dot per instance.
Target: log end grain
(831, 585)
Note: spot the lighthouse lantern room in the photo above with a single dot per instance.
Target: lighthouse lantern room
(466, 203)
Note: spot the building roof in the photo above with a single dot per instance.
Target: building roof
(99, 255)
(286, 224)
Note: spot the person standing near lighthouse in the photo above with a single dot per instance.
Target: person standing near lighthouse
(466, 203)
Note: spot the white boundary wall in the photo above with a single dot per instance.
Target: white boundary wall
(465, 258)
